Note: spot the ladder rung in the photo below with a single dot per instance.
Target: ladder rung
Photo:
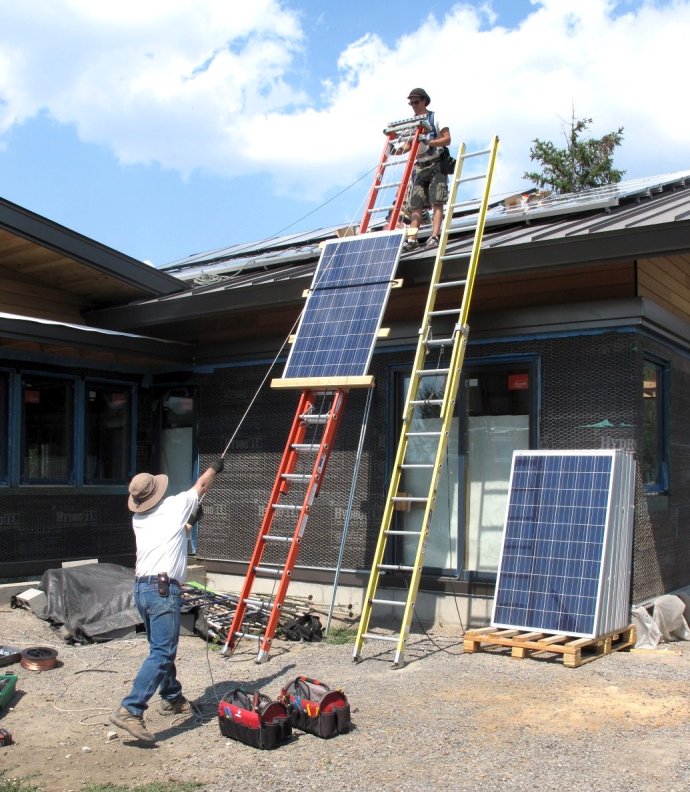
(271, 538)
(388, 602)
(437, 342)
(475, 154)
(472, 178)
(404, 533)
(373, 636)
(445, 312)
(296, 476)
(408, 499)
(450, 284)
(247, 635)
(286, 506)
(313, 418)
(379, 209)
(423, 434)
(431, 372)
(268, 570)
(387, 185)
(417, 402)
(416, 466)
(305, 446)
(395, 568)
(258, 603)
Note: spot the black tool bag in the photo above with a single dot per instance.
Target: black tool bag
(303, 628)
(252, 718)
(447, 163)
(315, 708)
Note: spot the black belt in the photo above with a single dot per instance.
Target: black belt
(152, 579)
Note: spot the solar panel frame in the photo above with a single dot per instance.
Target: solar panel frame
(566, 551)
(344, 309)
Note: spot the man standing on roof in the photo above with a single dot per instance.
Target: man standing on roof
(429, 185)
(160, 529)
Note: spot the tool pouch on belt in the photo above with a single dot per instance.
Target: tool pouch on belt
(252, 718)
(315, 708)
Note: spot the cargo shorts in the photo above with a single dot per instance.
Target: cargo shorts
(429, 187)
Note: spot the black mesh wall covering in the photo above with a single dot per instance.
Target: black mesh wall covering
(43, 526)
(590, 398)
(235, 506)
(60, 525)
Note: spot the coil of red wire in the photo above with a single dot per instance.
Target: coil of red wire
(38, 658)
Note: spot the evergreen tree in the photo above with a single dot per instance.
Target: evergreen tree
(583, 163)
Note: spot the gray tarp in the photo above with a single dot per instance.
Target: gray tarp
(91, 602)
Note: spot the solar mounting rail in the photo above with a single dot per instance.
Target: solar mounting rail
(423, 443)
(330, 355)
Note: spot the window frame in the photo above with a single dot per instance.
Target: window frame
(6, 428)
(397, 374)
(83, 408)
(71, 477)
(662, 421)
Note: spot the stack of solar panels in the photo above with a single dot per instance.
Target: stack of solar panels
(566, 556)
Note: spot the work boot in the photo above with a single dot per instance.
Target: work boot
(179, 706)
(134, 724)
(411, 244)
(432, 242)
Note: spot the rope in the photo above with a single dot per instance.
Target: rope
(258, 390)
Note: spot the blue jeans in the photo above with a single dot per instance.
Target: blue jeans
(161, 617)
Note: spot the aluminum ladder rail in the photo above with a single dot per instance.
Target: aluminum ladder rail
(399, 134)
(297, 484)
(442, 403)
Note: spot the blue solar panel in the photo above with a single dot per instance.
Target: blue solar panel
(566, 532)
(343, 313)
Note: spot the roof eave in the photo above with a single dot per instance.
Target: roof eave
(45, 233)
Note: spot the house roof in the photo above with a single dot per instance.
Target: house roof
(33, 247)
(632, 218)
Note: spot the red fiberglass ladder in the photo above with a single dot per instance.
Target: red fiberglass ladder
(389, 190)
(314, 427)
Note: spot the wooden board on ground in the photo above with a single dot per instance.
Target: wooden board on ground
(574, 651)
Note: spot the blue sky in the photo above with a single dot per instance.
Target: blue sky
(165, 128)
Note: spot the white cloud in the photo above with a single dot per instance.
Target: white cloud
(206, 85)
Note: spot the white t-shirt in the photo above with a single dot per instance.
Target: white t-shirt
(161, 536)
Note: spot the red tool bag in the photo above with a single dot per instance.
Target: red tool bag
(252, 718)
(315, 708)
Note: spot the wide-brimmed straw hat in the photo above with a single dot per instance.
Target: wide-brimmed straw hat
(145, 490)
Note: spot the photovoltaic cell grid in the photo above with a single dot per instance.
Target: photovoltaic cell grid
(343, 313)
(567, 543)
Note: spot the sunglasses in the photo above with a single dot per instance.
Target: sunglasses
(416, 101)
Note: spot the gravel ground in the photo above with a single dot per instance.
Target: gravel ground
(480, 721)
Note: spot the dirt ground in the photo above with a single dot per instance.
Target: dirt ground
(628, 708)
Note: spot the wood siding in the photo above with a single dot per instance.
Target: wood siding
(666, 281)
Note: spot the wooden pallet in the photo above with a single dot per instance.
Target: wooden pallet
(574, 651)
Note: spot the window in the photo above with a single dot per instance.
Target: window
(501, 409)
(496, 413)
(108, 435)
(47, 430)
(4, 423)
(654, 425)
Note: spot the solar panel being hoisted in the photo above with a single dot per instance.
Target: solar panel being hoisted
(342, 316)
(565, 560)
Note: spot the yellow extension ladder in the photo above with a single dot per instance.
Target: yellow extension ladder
(423, 452)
